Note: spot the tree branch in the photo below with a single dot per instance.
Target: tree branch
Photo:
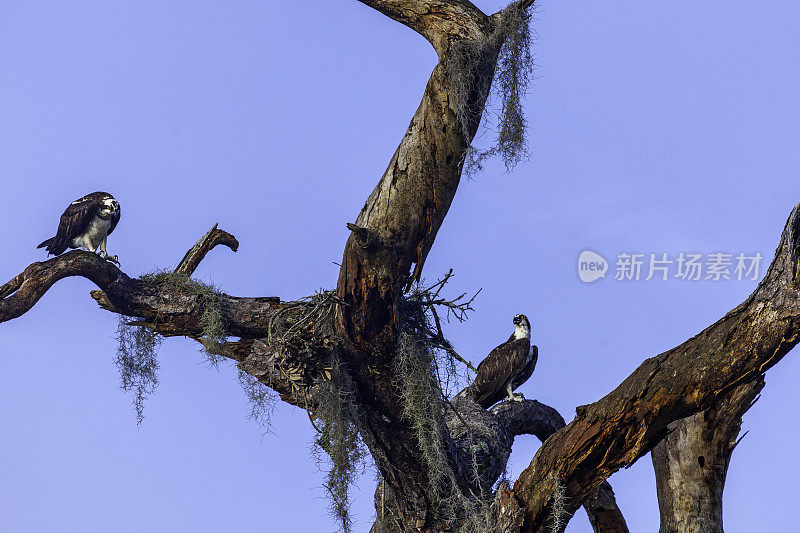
(206, 243)
(525, 4)
(402, 215)
(439, 21)
(603, 511)
(530, 417)
(173, 306)
(170, 310)
(394, 232)
(618, 429)
(21, 293)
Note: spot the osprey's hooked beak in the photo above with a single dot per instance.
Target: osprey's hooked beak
(517, 320)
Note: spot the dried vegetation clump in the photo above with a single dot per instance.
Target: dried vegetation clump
(499, 67)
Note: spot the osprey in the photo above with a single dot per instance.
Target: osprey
(505, 368)
(86, 223)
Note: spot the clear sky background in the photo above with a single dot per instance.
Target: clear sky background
(656, 127)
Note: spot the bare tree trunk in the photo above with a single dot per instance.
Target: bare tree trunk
(692, 461)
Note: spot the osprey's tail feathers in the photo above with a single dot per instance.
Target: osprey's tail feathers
(52, 247)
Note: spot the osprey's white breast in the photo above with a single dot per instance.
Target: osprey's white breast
(94, 234)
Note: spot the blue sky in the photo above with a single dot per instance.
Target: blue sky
(655, 128)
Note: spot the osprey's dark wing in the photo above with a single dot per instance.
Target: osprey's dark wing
(526, 372)
(499, 367)
(73, 222)
(114, 220)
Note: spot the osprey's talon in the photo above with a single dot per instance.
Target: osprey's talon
(112, 258)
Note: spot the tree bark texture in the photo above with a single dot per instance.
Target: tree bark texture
(394, 232)
(692, 461)
(534, 418)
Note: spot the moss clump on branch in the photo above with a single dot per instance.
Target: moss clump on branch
(260, 398)
(501, 64)
(425, 366)
(459, 452)
(479, 516)
(514, 70)
(213, 336)
(137, 362)
(137, 341)
(302, 342)
(462, 497)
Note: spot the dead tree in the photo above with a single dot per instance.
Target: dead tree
(359, 358)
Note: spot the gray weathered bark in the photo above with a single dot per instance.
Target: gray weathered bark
(692, 461)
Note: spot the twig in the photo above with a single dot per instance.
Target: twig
(445, 344)
(735, 444)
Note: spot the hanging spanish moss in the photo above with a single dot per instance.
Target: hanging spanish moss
(337, 417)
(505, 57)
(260, 399)
(137, 362)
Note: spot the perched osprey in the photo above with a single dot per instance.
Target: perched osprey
(505, 368)
(86, 223)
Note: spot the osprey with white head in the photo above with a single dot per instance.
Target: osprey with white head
(523, 327)
(86, 223)
(505, 368)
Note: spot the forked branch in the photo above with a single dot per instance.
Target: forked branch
(691, 463)
(530, 417)
(615, 431)
(171, 310)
